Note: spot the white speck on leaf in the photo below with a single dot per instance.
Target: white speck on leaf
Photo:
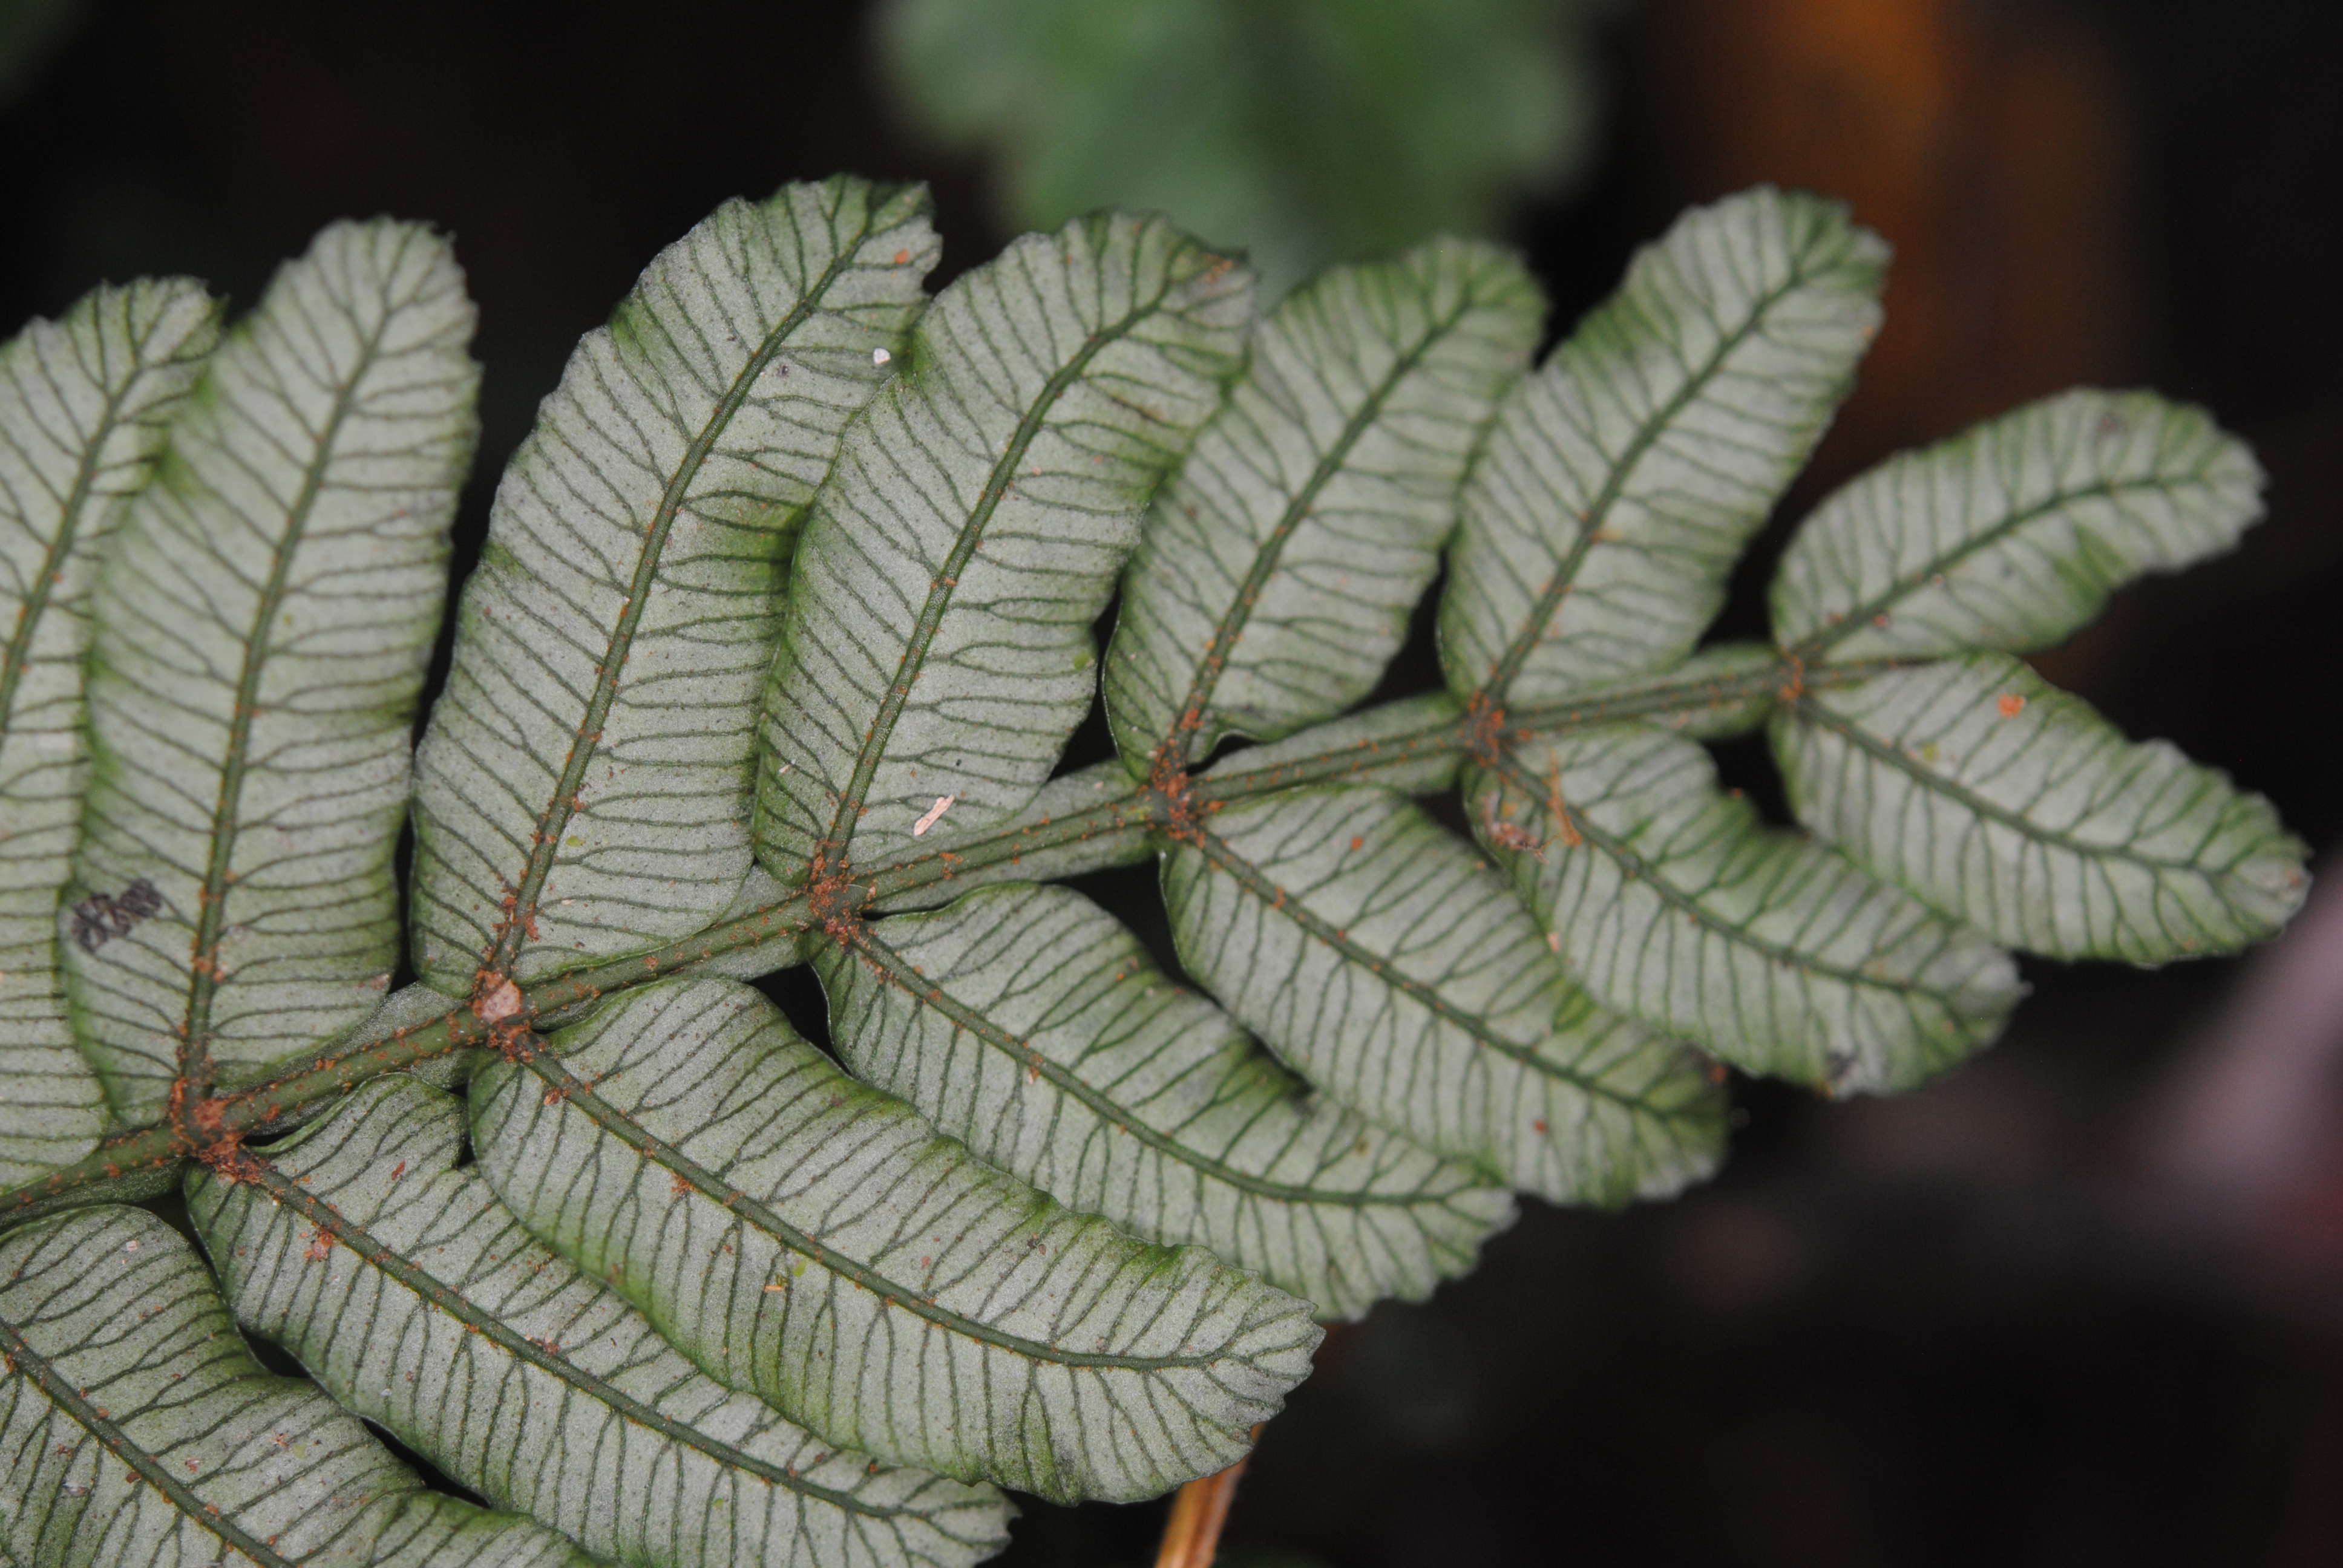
(935, 814)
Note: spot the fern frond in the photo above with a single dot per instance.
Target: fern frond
(582, 792)
(84, 403)
(1624, 478)
(419, 1301)
(813, 1241)
(1383, 957)
(938, 650)
(263, 623)
(1028, 1023)
(137, 1425)
(784, 620)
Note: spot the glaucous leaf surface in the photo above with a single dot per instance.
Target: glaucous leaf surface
(136, 1429)
(583, 790)
(2014, 808)
(263, 623)
(419, 1300)
(1383, 957)
(1276, 572)
(1672, 903)
(83, 401)
(2013, 533)
(814, 1241)
(1622, 480)
(1030, 1024)
(938, 650)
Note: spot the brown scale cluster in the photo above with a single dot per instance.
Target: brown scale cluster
(1171, 799)
(1484, 730)
(515, 916)
(231, 1162)
(833, 900)
(198, 1121)
(498, 1002)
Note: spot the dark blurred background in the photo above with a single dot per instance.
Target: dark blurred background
(2080, 1303)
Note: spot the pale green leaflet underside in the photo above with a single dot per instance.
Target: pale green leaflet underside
(419, 1300)
(795, 562)
(1671, 902)
(588, 762)
(2013, 535)
(813, 1241)
(1275, 578)
(1381, 957)
(136, 1428)
(263, 622)
(1621, 480)
(2012, 806)
(938, 650)
(1027, 1022)
(84, 402)
(1101, 786)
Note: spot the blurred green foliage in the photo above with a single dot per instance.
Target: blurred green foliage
(1305, 131)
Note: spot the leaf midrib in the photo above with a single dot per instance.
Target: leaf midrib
(1614, 485)
(22, 1357)
(888, 965)
(195, 1063)
(378, 1254)
(558, 1077)
(1640, 869)
(1176, 749)
(829, 855)
(18, 653)
(1823, 638)
(1269, 895)
(1871, 746)
(553, 821)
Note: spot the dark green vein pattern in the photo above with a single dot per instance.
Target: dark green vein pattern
(590, 758)
(82, 405)
(939, 641)
(136, 1430)
(262, 628)
(421, 1303)
(812, 1240)
(1275, 574)
(1620, 482)
(1028, 1023)
(1388, 963)
(2012, 535)
(2015, 807)
(1677, 905)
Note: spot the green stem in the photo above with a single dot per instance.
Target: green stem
(135, 1163)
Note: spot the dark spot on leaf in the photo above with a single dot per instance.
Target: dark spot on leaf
(99, 918)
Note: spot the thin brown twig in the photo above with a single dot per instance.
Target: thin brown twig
(1192, 1536)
